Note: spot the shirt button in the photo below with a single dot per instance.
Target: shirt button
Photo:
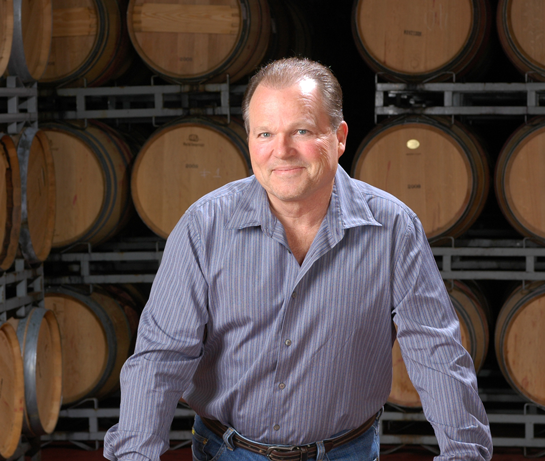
(293, 295)
(287, 342)
(276, 427)
(281, 385)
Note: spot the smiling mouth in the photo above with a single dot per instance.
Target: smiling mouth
(287, 169)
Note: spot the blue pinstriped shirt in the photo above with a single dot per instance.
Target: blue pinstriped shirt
(293, 354)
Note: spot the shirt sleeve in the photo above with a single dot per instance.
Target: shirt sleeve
(168, 349)
(440, 368)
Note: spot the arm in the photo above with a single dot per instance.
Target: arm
(168, 350)
(439, 367)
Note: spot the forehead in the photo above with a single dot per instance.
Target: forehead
(302, 96)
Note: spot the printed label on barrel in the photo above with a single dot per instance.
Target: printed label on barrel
(414, 33)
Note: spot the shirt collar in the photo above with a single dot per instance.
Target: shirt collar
(348, 207)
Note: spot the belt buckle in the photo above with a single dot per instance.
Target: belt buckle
(294, 448)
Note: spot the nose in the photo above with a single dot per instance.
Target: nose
(284, 146)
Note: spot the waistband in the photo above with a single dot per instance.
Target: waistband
(287, 453)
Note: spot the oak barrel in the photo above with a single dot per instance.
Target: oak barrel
(438, 168)
(183, 161)
(521, 27)
(10, 201)
(519, 179)
(417, 40)
(11, 391)
(290, 32)
(31, 39)
(474, 315)
(90, 42)
(96, 340)
(520, 342)
(132, 301)
(92, 168)
(40, 343)
(6, 33)
(37, 194)
(200, 40)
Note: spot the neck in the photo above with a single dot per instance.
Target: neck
(301, 221)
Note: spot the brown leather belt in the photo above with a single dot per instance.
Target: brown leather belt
(287, 453)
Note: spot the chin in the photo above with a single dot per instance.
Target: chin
(288, 196)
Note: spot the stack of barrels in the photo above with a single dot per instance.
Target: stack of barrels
(30, 376)
(27, 195)
(61, 354)
(68, 184)
(441, 169)
(92, 42)
(98, 331)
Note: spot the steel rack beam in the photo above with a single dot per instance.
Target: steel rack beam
(472, 99)
(85, 276)
(521, 263)
(528, 420)
(146, 102)
(514, 262)
(508, 418)
(22, 104)
(93, 415)
(29, 291)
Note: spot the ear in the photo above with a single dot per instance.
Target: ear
(342, 133)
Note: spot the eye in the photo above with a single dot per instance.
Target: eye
(302, 131)
(264, 135)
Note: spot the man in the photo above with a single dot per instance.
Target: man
(271, 313)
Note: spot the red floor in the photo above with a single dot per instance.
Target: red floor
(67, 453)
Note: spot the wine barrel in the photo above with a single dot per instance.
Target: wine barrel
(290, 32)
(132, 301)
(180, 163)
(96, 339)
(37, 194)
(520, 29)
(90, 41)
(417, 40)
(191, 41)
(6, 33)
(10, 202)
(518, 179)
(438, 168)
(11, 391)
(40, 343)
(520, 342)
(31, 39)
(92, 182)
(474, 314)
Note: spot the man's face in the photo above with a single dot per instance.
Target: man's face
(294, 151)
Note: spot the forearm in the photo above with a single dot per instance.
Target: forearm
(150, 390)
(451, 403)
(440, 368)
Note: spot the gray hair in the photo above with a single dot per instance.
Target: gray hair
(287, 72)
